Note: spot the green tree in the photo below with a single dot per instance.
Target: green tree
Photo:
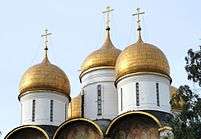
(186, 124)
(193, 65)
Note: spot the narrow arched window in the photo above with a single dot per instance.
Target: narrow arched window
(51, 110)
(121, 99)
(33, 110)
(157, 94)
(137, 94)
(99, 100)
(82, 103)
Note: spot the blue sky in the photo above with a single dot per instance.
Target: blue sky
(78, 29)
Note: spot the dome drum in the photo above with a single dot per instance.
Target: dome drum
(143, 73)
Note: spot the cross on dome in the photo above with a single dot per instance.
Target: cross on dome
(45, 36)
(107, 12)
(138, 13)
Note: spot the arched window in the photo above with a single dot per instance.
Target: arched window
(99, 100)
(121, 99)
(157, 94)
(33, 110)
(137, 94)
(51, 110)
(82, 103)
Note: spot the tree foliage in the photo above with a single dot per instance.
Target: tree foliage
(186, 124)
(193, 65)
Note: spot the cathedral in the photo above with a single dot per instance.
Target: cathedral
(124, 94)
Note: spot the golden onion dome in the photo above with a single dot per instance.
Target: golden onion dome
(141, 57)
(74, 109)
(104, 57)
(177, 102)
(44, 76)
(173, 91)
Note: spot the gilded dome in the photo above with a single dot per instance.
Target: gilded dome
(141, 57)
(173, 91)
(104, 57)
(44, 76)
(74, 109)
(177, 102)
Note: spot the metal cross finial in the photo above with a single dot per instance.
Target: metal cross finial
(107, 12)
(45, 36)
(138, 21)
(138, 17)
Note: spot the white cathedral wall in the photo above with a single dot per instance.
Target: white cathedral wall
(90, 81)
(42, 108)
(147, 93)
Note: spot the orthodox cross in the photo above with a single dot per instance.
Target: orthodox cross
(107, 12)
(45, 36)
(138, 17)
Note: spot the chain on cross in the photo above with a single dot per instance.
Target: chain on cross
(138, 13)
(107, 12)
(45, 36)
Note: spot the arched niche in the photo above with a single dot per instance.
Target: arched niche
(79, 128)
(27, 132)
(135, 125)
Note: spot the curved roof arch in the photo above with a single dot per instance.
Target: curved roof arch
(15, 130)
(115, 120)
(71, 121)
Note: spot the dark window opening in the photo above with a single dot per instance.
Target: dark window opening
(82, 103)
(137, 94)
(121, 99)
(99, 100)
(33, 110)
(51, 110)
(157, 94)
